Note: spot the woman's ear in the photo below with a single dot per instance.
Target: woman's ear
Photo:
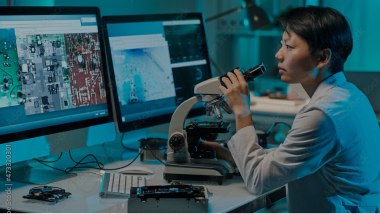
(324, 58)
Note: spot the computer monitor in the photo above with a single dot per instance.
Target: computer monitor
(53, 80)
(154, 63)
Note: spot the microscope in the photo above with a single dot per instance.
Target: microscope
(185, 158)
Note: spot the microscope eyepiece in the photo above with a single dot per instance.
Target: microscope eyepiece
(254, 72)
(249, 75)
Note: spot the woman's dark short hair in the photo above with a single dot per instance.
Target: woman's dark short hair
(321, 28)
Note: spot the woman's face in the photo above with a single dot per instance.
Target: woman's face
(295, 63)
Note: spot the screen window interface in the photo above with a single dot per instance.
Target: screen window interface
(50, 71)
(157, 65)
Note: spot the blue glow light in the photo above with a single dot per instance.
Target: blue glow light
(246, 23)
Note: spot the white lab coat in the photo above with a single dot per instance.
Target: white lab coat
(330, 159)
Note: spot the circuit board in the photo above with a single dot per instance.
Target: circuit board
(11, 89)
(60, 71)
(84, 69)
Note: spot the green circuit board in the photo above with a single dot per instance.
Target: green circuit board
(9, 69)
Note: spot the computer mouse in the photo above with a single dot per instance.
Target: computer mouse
(136, 170)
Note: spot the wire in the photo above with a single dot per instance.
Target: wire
(131, 161)
(50, 161)
(77, 163)
(50, 166)
(132, 149)
(97, 162)
(70, 169)
(86, 167)
(125, 147)
(156, 157)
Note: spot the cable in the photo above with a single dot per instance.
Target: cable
(86, 167)
(155, 156)
(76, 165)
(71, 168)
(50, 166)
(86, 162)
(50, 161)
(131, 161)
(125, 147)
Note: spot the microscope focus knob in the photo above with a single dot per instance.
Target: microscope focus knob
(176, 142)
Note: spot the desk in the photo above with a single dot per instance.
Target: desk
(281, 112)
(263, 116)
(231, 196)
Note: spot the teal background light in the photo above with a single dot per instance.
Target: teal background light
(364, 18)
(35, 2)
(246, 23)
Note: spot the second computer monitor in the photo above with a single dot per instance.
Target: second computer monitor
(155, 61)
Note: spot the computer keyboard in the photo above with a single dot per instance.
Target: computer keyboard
(120, 184)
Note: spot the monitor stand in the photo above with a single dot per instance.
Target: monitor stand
(22, 172)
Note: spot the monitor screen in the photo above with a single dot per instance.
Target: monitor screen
(156, 62)
(51, 73)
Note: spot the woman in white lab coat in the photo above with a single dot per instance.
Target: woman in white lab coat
(330, 159)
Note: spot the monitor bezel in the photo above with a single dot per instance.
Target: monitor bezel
(51, 11)
(149, 121)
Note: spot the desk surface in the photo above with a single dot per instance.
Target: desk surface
(85, 187)
(280, 110)
(283, 110)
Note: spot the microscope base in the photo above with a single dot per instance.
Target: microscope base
(196, 172)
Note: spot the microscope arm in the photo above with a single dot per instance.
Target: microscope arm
(176, 129)
(180, 114)
(205, 91)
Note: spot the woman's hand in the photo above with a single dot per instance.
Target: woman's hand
(221, 152)
(236, 93)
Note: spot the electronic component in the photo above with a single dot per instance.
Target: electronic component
(168, 198)
(47, 193)
(153, 147)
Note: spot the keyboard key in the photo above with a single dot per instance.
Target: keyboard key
(135, 181)
(110, 183)
(115, 187)
(122, 184)
(142, 182)
(129, 184)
